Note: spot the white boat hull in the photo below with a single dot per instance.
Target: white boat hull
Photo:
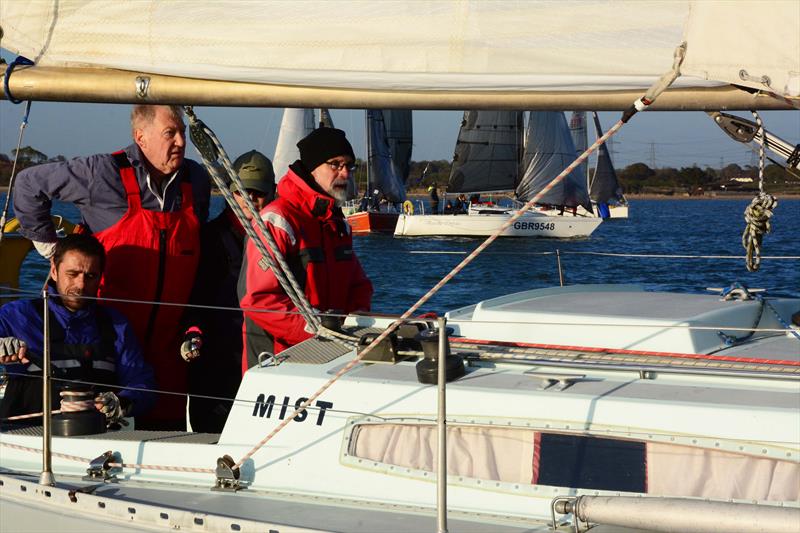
(483, 225)
(623, 364)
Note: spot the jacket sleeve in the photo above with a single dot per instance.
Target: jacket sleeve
(38, 186)
(265, 301)
(132, 370)
(360, 290)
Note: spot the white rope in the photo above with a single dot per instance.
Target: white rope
(757, 215)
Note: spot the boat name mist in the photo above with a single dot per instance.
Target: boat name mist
(535, 225)
(265, 404)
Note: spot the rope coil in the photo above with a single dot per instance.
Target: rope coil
(757, 215)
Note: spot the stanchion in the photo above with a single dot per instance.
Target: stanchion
(46, 477)
(441, 427)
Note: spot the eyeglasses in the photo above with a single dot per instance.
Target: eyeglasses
(339, 165)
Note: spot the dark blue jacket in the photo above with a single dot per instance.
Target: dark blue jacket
(93, 184)
(23, 320)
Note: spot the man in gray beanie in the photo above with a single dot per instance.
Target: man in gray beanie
(310, 231)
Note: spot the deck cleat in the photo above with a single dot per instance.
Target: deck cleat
(99, 469)
(227, 475)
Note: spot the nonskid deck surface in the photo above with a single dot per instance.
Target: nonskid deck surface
(275, 511)
(136, 435)
(770, 354)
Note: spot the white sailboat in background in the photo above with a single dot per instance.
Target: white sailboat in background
(295, 124)
(607, 199)
(490, 159)
(602, 407)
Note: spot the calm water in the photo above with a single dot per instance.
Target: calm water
(401, 272)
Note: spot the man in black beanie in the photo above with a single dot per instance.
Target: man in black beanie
(310, 231)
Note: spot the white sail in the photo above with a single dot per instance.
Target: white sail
(549, 151)
(468, 45)
(580, 137)
(296, 124)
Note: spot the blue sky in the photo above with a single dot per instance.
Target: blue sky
(675, 139)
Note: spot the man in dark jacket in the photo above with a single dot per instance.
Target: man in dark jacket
(310, 231)
(145, 205)
(216, 371)
(88, 342)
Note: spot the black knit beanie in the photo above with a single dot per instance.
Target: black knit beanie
(323, 144)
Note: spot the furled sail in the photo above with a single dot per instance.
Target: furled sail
(296, 124)
(488, 152)
(580, 137)
(549, 151)
(604, 187)
(399, 134)
(470, 45)
(383, 174)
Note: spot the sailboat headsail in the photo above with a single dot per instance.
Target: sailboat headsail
(383, 173)
(580, 137)
(605, 187)
(399, 135)
(549, 151)
(487, 152)
(296, 124)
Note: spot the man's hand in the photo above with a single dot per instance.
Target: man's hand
(45, 249)
(108, 403)
(192, 342)
(12, 350)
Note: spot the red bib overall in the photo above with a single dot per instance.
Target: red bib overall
(153, 256)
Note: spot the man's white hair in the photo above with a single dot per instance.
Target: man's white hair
(143, 114)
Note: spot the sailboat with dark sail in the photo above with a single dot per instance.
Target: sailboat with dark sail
(496, 155)
(604, 187)
(386, 172)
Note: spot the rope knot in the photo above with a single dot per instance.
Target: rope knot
(757, 216)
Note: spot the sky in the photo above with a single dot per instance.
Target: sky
(674, 139)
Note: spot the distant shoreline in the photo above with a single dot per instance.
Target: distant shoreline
(710, 196)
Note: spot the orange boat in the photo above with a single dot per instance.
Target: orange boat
(365, 222)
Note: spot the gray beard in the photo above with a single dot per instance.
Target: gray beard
(339, 195)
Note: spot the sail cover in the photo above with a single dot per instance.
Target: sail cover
(296, 124)
(604, 187)
(383, 175)
(549, 151)
(401, 45)
(488, 152)
(580, 138)
(399, 134)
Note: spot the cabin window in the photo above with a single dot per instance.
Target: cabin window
(523, 456)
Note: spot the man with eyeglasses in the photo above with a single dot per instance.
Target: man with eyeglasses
(310, 231)
(213, 343)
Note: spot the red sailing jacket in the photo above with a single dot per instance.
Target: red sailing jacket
(153, 255)
(313, 236)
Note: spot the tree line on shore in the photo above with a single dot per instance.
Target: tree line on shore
(637, 178)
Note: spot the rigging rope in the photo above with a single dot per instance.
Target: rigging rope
(757, 215)
(211, 151)
(20, 60)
